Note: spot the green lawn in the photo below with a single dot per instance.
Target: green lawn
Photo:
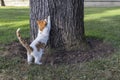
(101, 23)
(10, 19)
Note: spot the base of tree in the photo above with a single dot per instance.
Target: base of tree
(76, 46)
(98, 49)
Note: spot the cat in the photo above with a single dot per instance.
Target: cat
(36, 48)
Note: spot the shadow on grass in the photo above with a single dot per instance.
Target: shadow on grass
(105, 28)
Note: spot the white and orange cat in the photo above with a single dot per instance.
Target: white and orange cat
(36, 48)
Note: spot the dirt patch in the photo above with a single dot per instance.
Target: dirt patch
(98, 49)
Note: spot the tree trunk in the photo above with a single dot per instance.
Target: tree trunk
(67, 22)
(2, 3)
(38, 10)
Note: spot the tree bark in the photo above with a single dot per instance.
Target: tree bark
(2, 3)
(67, 16)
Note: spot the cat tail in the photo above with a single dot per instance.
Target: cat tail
(23, 42)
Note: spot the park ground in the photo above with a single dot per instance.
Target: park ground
(101, 62)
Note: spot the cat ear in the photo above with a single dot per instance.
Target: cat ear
(45, 20)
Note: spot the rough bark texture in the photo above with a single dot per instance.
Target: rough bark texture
(38, 10)
(2, 3)
(67, 21)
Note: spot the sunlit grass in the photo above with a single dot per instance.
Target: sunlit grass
(12, 18)
(107, 13)
(103, 23)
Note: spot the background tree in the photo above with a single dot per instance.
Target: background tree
(67, 22)
(2, 3)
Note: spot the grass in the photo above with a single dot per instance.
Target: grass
(102, 23)
(12, 18)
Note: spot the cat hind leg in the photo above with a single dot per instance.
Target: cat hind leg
(37, 60)
(29, 59)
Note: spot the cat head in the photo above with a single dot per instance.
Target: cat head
(41, 24)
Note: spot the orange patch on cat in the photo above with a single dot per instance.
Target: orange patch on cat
(41, 24)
